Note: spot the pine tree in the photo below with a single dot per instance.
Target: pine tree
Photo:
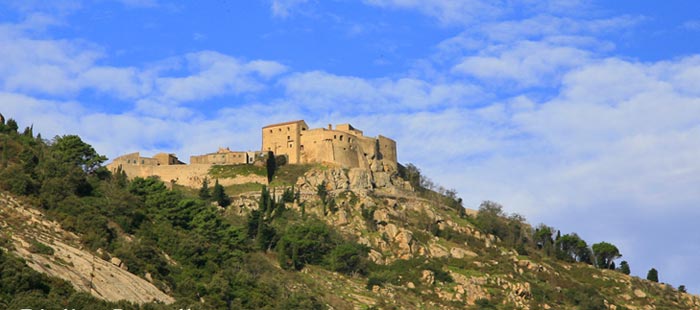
(219, 195)
(204, 190)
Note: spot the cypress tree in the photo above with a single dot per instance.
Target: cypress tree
(653, 275)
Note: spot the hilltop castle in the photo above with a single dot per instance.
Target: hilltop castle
(344, 146)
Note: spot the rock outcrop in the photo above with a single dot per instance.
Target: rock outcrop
(108, 280)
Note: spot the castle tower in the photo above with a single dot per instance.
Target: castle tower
(284, 139)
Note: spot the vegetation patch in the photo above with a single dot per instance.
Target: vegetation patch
(39, 248)
(232, 171)
(237, 189)
(287, 175)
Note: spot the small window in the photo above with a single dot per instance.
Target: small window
(341, 137)
(270, 130)
(280, 129)
(335, 137)
(287, 128)
(289, 138)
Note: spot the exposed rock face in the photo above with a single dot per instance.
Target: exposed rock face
(360, 179)
(87, 272)
(356, 179)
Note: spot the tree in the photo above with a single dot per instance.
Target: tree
(682, 289)
(653, 275)
(304, 244)
(204, 190)
(624, 267)
(490, 219)
(12, 125)
(348, 258)
(270, 165)
(219, 195)
(322, 192)
(71, 149)
(571, 247)
(543, 238)
(412, 174)
(605, 253)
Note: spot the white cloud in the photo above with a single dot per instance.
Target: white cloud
(526, 64)
(65, 68)
(283, 8)
(58, 67)
(348, 94)
(446, 11)
(215, 74)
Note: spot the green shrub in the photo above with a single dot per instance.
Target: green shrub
(40, 248)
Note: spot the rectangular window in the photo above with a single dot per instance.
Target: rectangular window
(341, 137)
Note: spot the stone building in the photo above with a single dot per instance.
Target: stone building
(135, 159)
(224, 156)
(345, 145)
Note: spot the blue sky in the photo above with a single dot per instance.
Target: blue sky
(584, 115)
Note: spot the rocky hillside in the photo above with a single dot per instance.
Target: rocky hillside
(405, 228)
(75, 235)
(49, 249)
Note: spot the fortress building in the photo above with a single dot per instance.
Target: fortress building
(135, 160)
(345, 145)
(224, 156)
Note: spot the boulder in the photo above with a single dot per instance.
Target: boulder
(391, 230)
(437, 250)
(116, 261)
(461, 253)
(428, 277)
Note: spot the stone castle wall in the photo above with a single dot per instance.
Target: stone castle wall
(344, 146)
